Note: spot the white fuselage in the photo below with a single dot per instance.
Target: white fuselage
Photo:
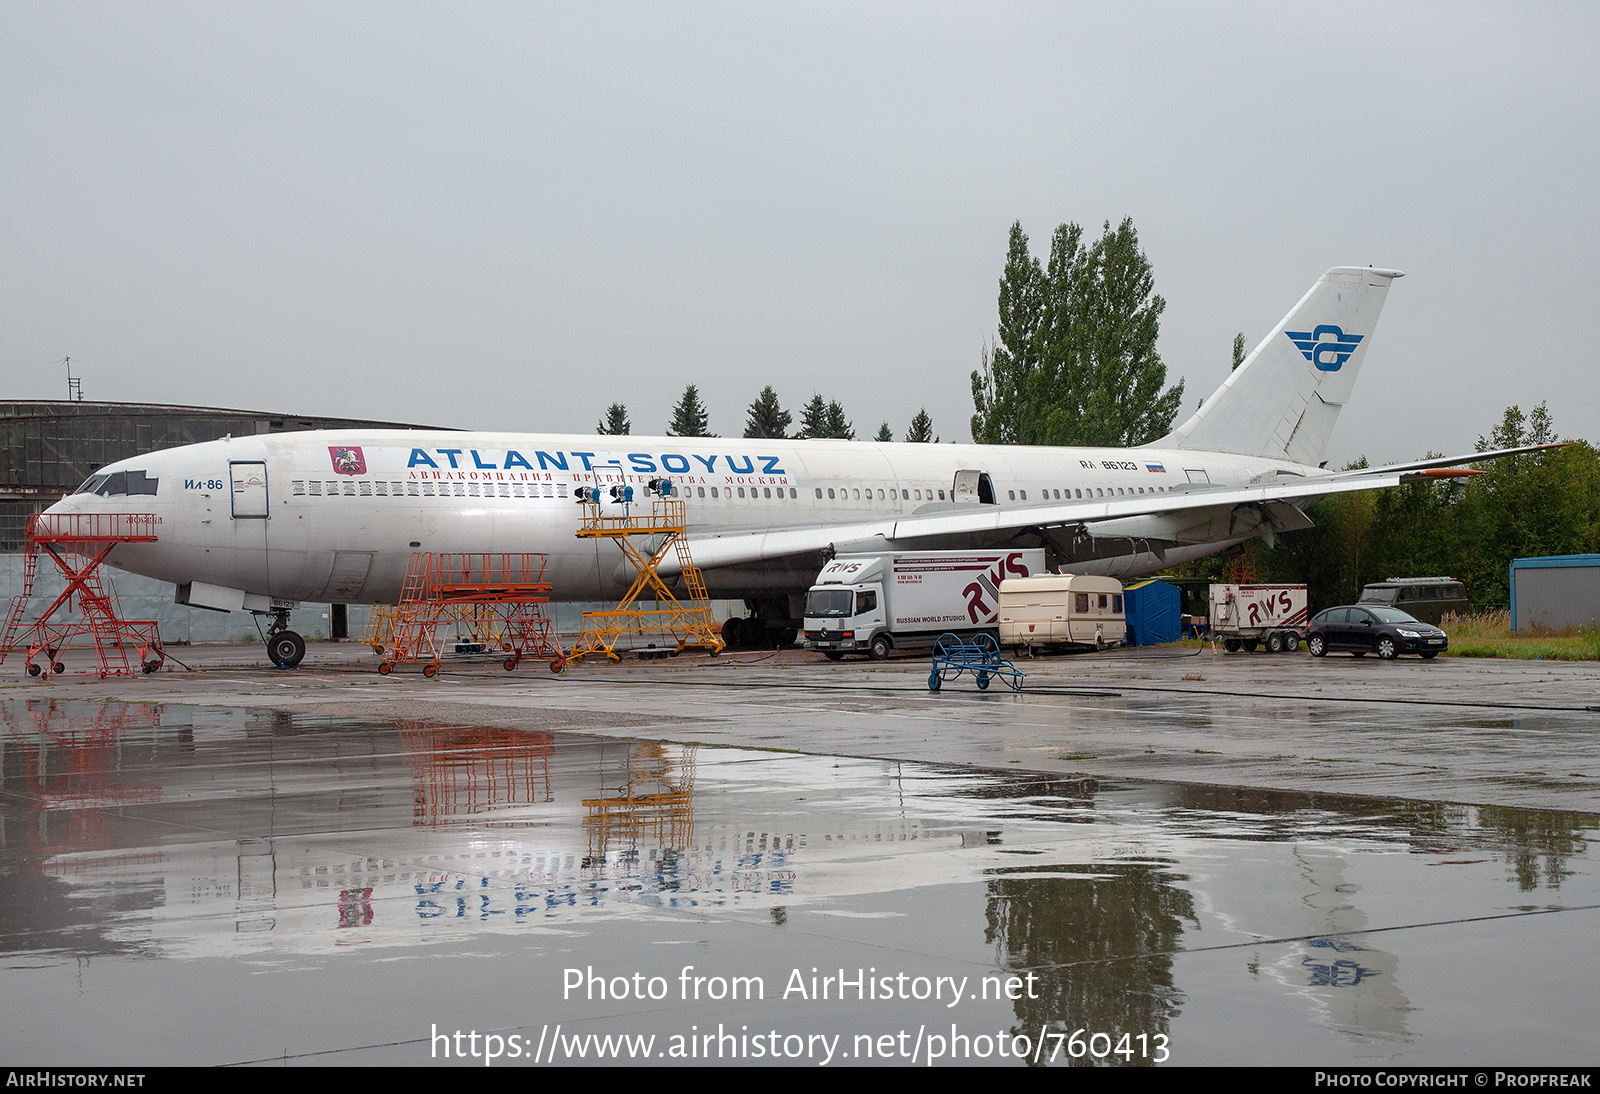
(335, 516)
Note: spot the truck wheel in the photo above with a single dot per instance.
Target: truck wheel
(1291, 641)
(880, 648)
(1231, 645)
(833, 655)
(1274, 642)
(1250, 645)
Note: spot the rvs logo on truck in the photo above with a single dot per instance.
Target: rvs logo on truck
(1269, 609)
(983, 595)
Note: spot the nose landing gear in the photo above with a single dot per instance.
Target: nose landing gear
(285, 648)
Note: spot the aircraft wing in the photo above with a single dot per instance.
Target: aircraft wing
(1265, 503)
(1449, 461)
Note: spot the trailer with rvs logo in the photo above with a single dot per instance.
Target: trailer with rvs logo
(1247, 617)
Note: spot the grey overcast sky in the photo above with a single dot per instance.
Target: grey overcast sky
(509, 215)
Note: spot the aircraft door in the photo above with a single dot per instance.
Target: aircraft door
(249, 486)
(973, 486)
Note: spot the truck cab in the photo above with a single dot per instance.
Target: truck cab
(845, 609)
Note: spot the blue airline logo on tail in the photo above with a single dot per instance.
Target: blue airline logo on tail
(1327, 347)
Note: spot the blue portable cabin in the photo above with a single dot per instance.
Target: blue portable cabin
(1154, 611)
(1555, 591)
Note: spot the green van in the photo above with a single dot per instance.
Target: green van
(1425, 598)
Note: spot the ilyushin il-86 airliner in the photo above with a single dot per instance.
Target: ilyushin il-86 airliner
(262, 523)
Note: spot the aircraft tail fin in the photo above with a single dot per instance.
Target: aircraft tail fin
(1282, 402)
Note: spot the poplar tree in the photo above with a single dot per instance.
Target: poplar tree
(998, 387)
(1074, 360)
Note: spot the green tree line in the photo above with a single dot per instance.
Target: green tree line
(820, 418)
(1542, 503)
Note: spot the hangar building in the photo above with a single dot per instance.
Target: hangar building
(48, 447)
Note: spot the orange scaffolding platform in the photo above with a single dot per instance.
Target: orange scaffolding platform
(503, 593)
(78, 543)
(689, 622)
(654, 802)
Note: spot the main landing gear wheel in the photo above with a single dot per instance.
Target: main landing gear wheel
(286, 649)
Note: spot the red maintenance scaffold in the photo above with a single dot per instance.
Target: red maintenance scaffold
(79, 544)
(505, 592)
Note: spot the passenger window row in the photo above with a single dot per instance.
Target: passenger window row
(366, 488)
(135, 482)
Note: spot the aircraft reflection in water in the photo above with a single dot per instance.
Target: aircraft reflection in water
(1101, 892)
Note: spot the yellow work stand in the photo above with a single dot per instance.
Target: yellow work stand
(689, 621)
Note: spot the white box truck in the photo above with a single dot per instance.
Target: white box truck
(873, 603)
(1248, 616)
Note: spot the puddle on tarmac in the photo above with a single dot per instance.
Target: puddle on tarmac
(191, 884)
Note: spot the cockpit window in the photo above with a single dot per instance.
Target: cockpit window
(119, 483)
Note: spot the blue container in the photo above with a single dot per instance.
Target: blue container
(1155, 613)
